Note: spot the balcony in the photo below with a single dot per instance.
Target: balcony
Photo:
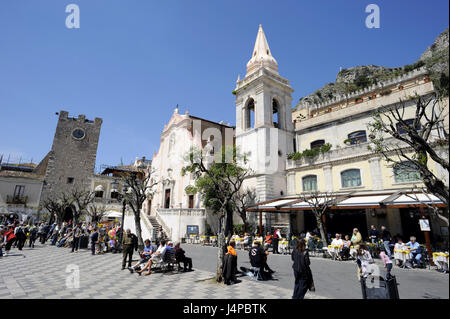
(182, 212)
(16, 200)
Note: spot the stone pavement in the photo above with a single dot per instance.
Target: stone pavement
(47, 272)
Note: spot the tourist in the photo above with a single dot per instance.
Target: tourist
(258, 259)
(345, 251)
(41, 232)
(337, 241)
(2, 239)
(356, 238)
(156, 258)
(65, 238)
(275, 241)
(94, 240)
(145, 255)
(363, 259)
(415, 250)
(129, 243)
(10, 238)
(386, 261)
(246, 242)
(399, 246)
(302, 272)
(33, 236)
(180, 257)
(374, 234)
(267, 241)
(229, 268)
(76, 237)
(20, 236)
(386, 238)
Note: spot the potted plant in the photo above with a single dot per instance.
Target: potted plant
(347, 141)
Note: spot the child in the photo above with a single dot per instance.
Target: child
(386, 261)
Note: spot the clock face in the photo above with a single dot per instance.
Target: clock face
(78, 133)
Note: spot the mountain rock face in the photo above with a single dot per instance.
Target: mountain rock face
(435, 59)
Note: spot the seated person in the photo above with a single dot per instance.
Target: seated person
(267, 241)
(112, 245)
(180, 257)
(230, 264)
(65, 238)
(145, 255)
(258, 259)
(345, 251)
(337, 241)
(156, 257)
(400, 245)
(414, 247)
(246, 241)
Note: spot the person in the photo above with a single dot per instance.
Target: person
(356, 237)
(276, 239)
(246, 241)
(386, 238)
(373, 234)
(112, 245)
(363, 259)
(229, 268)
(399, 246)
(2, 243)
(94, 240)
(33, 236)
(10, 238)
(76, 237)
(414, 248)
(267, 241)
(65, 238)
(337, 241)
(181, 257)
(302, 271)
(258, 259)
(129, 243)
(157, 257)
(145, 255)
(386, 261)
(345, 251)
(20, 235)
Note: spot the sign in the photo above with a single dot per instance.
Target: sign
(192, 229)
(424, 225)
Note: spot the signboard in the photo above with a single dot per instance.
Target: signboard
(424, 225)
(192, 229)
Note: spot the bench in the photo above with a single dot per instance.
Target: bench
(167, 262)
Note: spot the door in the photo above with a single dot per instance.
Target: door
(167, 199)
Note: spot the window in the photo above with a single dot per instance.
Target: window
(99, 194)
(275, 109)
(167, 199)
(406, 172)
(114, 194)
(357, 137)
(351, 178)
(70, 180)
(401, 129)
(250, 114)
(19, 191)
(317, 143)
(309, 183)
(295, 145)
(191, 201)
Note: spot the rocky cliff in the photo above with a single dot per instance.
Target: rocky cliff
(435, 58)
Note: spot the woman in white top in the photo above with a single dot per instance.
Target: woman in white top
(363, 259)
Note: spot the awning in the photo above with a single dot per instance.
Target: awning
(113, 214)
(354, 200)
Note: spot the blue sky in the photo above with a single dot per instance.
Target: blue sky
(132, 61)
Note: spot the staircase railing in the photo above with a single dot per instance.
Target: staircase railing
(149, 225)
(166, 229)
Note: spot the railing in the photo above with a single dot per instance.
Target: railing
(16, 199)
(166, 228)
(182, 211)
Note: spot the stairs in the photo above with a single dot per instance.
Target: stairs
(158, 231)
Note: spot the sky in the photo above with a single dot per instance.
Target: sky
(132, 61)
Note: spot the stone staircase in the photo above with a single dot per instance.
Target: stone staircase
(158, 230)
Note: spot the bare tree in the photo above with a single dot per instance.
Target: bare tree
(320, 203)
(80, 200)
(96, 212)
(414, 141)
(430, 204)
(57, 205)
(241, 201)
(140, 188)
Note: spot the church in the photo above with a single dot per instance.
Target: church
(270, 133)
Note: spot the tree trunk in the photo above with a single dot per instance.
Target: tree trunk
(322, 232)
(137, 222)
(221, 248)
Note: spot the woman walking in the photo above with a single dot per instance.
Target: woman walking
(302, 272)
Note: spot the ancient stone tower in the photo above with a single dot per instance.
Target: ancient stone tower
(71, 161)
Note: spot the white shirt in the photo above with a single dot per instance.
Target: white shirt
(337, 242)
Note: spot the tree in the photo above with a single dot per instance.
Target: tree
(320, 203)
(241, 201)
(412, 142)
(80, 200)
(433, 208)
(140, 188)
(56, 205)
(218, 183)
(96, 212)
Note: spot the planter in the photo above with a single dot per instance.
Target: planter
(359, 101)
(426, 80)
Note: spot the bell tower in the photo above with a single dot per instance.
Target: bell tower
(264, 129)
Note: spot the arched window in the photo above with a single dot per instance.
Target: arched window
(309, 183)
(357, 137)
(405, 172)
(401, 129)
(351, 178)
(317, 143)
(99, 190)
(275, 116)
(250, 114)
(114, 194)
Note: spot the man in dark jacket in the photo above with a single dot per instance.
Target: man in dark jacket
(258, 259)
(302, 272)
(129, 243)
(94, 240)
